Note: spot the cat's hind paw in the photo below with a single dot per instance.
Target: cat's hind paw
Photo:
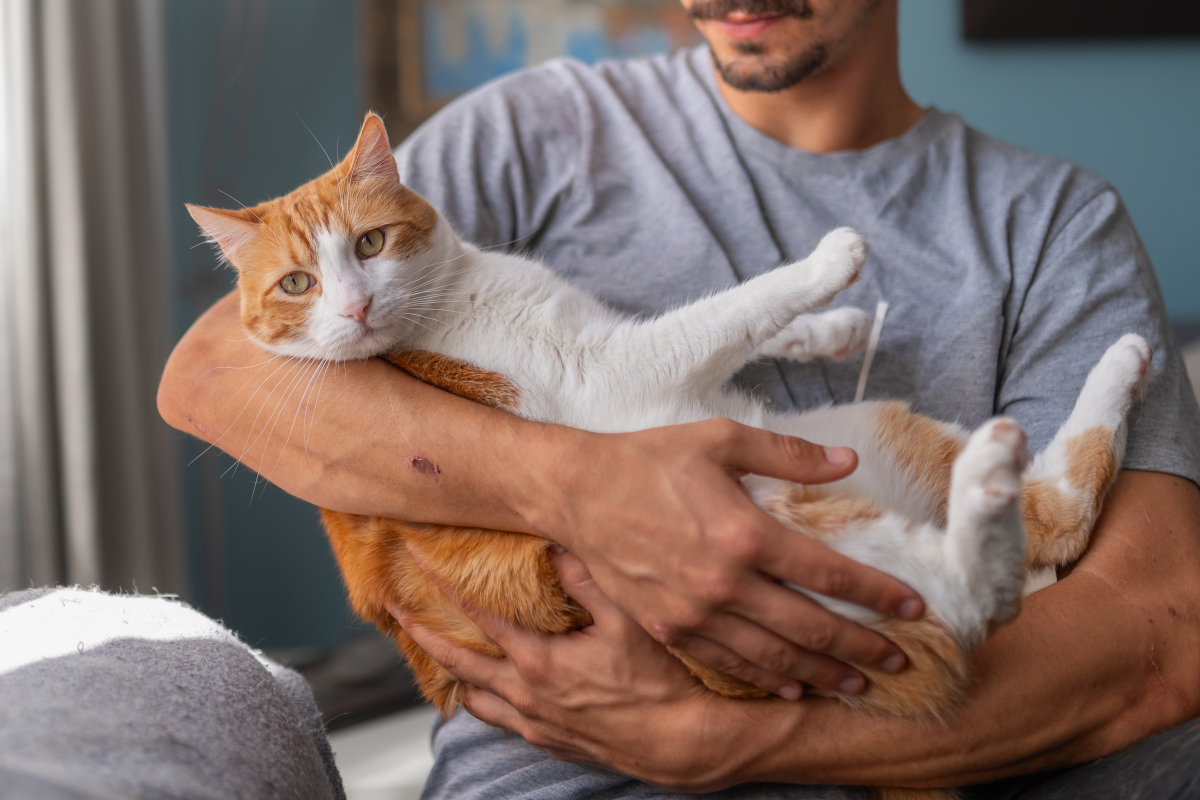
(985, 532)
(832, 334)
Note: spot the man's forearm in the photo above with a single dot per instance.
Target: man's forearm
(360, 437)
(655, 513)
(1095, 662)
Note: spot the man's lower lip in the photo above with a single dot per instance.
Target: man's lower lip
(747, 29)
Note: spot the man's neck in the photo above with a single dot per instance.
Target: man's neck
(853, 104)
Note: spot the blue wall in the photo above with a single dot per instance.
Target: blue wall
(246, 77)
(1127, 111)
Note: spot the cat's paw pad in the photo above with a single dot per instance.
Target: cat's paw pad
(833, 334)
(838, 258)
(989, 470)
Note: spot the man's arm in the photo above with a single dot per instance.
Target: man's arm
(1104, 657)
(659, 516)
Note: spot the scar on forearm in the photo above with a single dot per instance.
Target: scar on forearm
(423, 465)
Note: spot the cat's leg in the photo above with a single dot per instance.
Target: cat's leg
(1065, 486)
(702, 344)
(510, 575)
(830, 334)
(985, 534)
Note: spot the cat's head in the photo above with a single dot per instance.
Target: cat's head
(334, 269)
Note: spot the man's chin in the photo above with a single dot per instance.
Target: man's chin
(761, 72)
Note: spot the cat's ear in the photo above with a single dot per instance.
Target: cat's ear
(232, 230)
(372, 156)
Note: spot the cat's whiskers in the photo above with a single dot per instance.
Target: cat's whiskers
(246, 405)
(292, 364)
(307, 368)
(293, 368)
(318, 367)
(316, 401)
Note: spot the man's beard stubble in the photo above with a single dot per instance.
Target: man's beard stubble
(770, 74)
(762, 74)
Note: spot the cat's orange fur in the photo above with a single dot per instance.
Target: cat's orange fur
(510, 574)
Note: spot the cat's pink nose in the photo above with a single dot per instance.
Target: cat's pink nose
(357, 310)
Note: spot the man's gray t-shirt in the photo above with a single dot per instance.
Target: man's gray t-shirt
(1007, 274)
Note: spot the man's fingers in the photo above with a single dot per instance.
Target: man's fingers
(494, 710)
(766, 654)
(809, 564)
(577, 582)
(720, 657)
(494, 674)
(811, 628)
(788, 458)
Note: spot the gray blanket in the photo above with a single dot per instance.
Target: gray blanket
(107, 696)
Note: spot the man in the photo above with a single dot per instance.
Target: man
(1007, 275)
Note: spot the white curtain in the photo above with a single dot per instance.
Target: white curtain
(90, 488)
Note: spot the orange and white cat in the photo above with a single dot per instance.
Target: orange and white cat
(353, 265)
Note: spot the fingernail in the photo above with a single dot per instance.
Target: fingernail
(789, 691)
(557, 548)
(838, 456)
(894, 663)
(910, 609)
(852, 685)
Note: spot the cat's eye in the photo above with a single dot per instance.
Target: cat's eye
(370, 243)
(296, 282)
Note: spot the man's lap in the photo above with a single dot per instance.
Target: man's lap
(475, 761)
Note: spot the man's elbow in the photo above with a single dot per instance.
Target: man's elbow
(176, 397)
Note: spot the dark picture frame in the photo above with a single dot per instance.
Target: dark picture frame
(1045, 20)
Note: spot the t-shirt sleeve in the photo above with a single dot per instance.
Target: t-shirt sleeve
(499, 163)
(1094, 283)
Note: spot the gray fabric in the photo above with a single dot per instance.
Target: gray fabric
(1165, 766)
(10, 599)
(137, 718)
(474, 761)
(1008, 273)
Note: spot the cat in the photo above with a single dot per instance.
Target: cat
(353, 265)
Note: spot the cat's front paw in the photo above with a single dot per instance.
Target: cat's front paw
(837, 261)
(1114, 384)
(833, 334)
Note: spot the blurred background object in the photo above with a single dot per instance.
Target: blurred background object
(420, 54)
(117, 112)
(93, 477)
(1029, 20)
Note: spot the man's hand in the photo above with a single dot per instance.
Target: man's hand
(607, 696)
(659, 516)
(1094, 663)
(664, 525)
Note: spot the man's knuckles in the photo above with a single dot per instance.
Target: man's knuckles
(739, 541)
